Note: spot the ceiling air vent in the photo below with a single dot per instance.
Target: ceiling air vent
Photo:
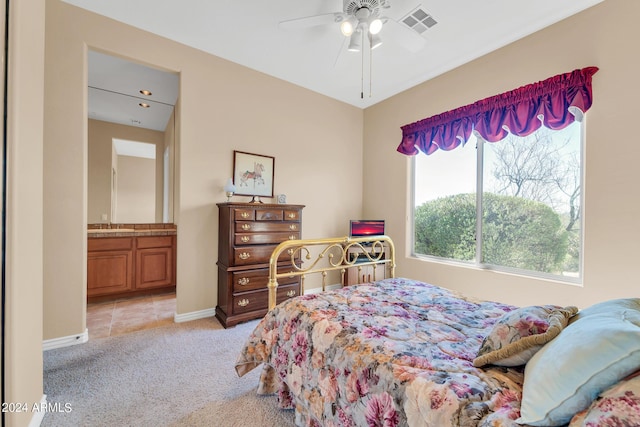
(419, 20)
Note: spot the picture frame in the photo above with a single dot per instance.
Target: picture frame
(253, 174)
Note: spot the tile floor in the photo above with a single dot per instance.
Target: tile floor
(108, 319)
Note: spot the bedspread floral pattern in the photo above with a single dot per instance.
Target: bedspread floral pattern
(618, 406)
(394, 353)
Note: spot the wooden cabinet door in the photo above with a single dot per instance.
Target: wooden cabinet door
(154, 267)
(109, 272)
(364, 274)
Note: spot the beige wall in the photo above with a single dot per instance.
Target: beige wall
(604, 36)
(23, 341)
(170, 144)
(100, 137)
(316, 142)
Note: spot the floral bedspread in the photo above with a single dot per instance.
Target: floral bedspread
(393, 353)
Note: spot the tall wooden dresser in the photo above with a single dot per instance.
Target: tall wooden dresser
(248, 233)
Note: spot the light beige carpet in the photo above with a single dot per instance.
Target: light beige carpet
(177, 375)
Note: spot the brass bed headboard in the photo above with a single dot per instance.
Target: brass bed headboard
(335, 254)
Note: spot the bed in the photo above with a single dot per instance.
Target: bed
(400, 352)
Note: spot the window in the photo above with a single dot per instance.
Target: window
(512, 205)
(500, 185)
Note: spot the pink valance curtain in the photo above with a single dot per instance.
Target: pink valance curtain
(554, 103)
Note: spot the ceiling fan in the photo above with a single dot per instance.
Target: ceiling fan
(360, 19)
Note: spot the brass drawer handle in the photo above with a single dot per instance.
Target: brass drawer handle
(244, 214)
(244, 255)
(243, 302)
(245, 239)
(292, 215)
(243, 281)
(292, 237)
(291, 294)
(246, 226)
(293, 227)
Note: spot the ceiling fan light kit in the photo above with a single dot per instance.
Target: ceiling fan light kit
(355, 42)
(348, 26)
(374, 41)
(375, 25)
(358, 19)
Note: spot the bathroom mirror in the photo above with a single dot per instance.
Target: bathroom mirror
(131, 141)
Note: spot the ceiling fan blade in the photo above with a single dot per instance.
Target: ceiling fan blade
(311, 21)
(402, 35)
(342, 49)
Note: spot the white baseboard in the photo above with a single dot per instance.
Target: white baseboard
(38, 416)
(194, 315)
(326, 288)
(210, 312)
(66, 341)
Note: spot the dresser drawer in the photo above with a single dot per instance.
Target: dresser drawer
(291, 215)
(269, 215)
(259, 300)
(250, 280)
(244, 214)
(248, 214)
(248, 255)
(264, 238)
(269, 227)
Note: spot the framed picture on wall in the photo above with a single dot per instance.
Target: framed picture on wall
(253, 174)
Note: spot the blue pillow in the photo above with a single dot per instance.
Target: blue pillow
(600, 346)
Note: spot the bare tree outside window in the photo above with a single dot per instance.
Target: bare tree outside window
(544, 166)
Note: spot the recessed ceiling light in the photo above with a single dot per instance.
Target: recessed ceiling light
(144, 105)
(146, 92)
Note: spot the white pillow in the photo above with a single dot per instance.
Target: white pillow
(600, 346)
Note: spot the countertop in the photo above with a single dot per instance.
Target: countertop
(128, 231)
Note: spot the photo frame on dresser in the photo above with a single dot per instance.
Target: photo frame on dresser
(253, 174)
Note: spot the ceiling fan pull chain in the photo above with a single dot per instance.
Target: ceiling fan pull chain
(370, 69)
(362, 67)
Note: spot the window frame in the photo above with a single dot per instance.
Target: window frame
(477, 262)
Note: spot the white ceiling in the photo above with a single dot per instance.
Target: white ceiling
(114, 92)
(248, 33)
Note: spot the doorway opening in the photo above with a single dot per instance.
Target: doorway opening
(132, 139)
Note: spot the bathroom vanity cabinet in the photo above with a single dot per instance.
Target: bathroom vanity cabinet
(130, 262)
